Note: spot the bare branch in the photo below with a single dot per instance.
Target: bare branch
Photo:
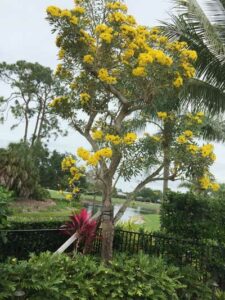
(138, 187)
(118, 94)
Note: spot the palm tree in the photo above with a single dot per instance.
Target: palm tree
(18, 171)
(204, 31)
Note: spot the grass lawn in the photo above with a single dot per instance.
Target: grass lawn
(145, 205)
(152, 222)
(62, 209)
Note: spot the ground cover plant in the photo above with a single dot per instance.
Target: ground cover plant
(50, 276)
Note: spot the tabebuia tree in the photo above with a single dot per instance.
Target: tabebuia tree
(32, 88)
(115, 68)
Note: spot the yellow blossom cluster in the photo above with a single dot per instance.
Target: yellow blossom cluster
(177, 46)
(94, 158)
(117, 17)
(67, 162)
(58, 40)
(129, 138)
(79, 10)
(84, 98)
(97, 135)
(185, 138)
(139, 72)
(189, 70)
(182, 139)
(162, 115)
(54, 11)
(88, 59)
(188, 133)
(193, 148)
(196, 118)
(69, 197)
(57, 101)
(206, 184)
(207, 150)
(61, 71)
(116, 6)
(73, 85)
(83, 153)
(105, 33)
(88, 40)
(186, 56)
(189, 54)
(61, 53)
(104, 76)
(178, 82)
(104, 152)
(148, 57)
(139, 46)
(127, 54)
(114, 139)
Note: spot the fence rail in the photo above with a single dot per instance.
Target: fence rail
(20, 243)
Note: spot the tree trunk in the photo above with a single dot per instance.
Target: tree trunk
(166, 171)
(36, 127)
(107, 224)
(41, 123)
(26, 128)
(166, 153)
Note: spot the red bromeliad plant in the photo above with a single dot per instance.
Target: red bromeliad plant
(84, 227)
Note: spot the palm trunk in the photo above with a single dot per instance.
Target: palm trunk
(107, 224)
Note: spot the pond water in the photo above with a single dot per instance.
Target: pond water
(129, 213)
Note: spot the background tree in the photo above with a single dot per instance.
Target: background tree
(51, 174)
(33, 87)
(18, 171)
(149, 195)
(115, 68)
(204, 31)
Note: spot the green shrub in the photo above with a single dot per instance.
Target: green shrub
(200, 220)
(195, 285)
(219, 295)
(5, 198)
(60, 277)
(187, 216)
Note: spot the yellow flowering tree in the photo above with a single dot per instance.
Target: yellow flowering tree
(171, 153)
(113, 68)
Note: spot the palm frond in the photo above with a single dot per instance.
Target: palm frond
(202, 95)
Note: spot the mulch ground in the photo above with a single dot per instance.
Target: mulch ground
(33, 205)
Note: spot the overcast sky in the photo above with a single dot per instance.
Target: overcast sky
(26, 35)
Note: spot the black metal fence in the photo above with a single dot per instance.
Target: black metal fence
(175, 250)
(20, 243)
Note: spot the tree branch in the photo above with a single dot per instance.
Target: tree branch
(118, 94)
(138, 187)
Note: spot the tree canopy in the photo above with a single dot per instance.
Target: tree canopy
(33, 87)
(114, 68)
